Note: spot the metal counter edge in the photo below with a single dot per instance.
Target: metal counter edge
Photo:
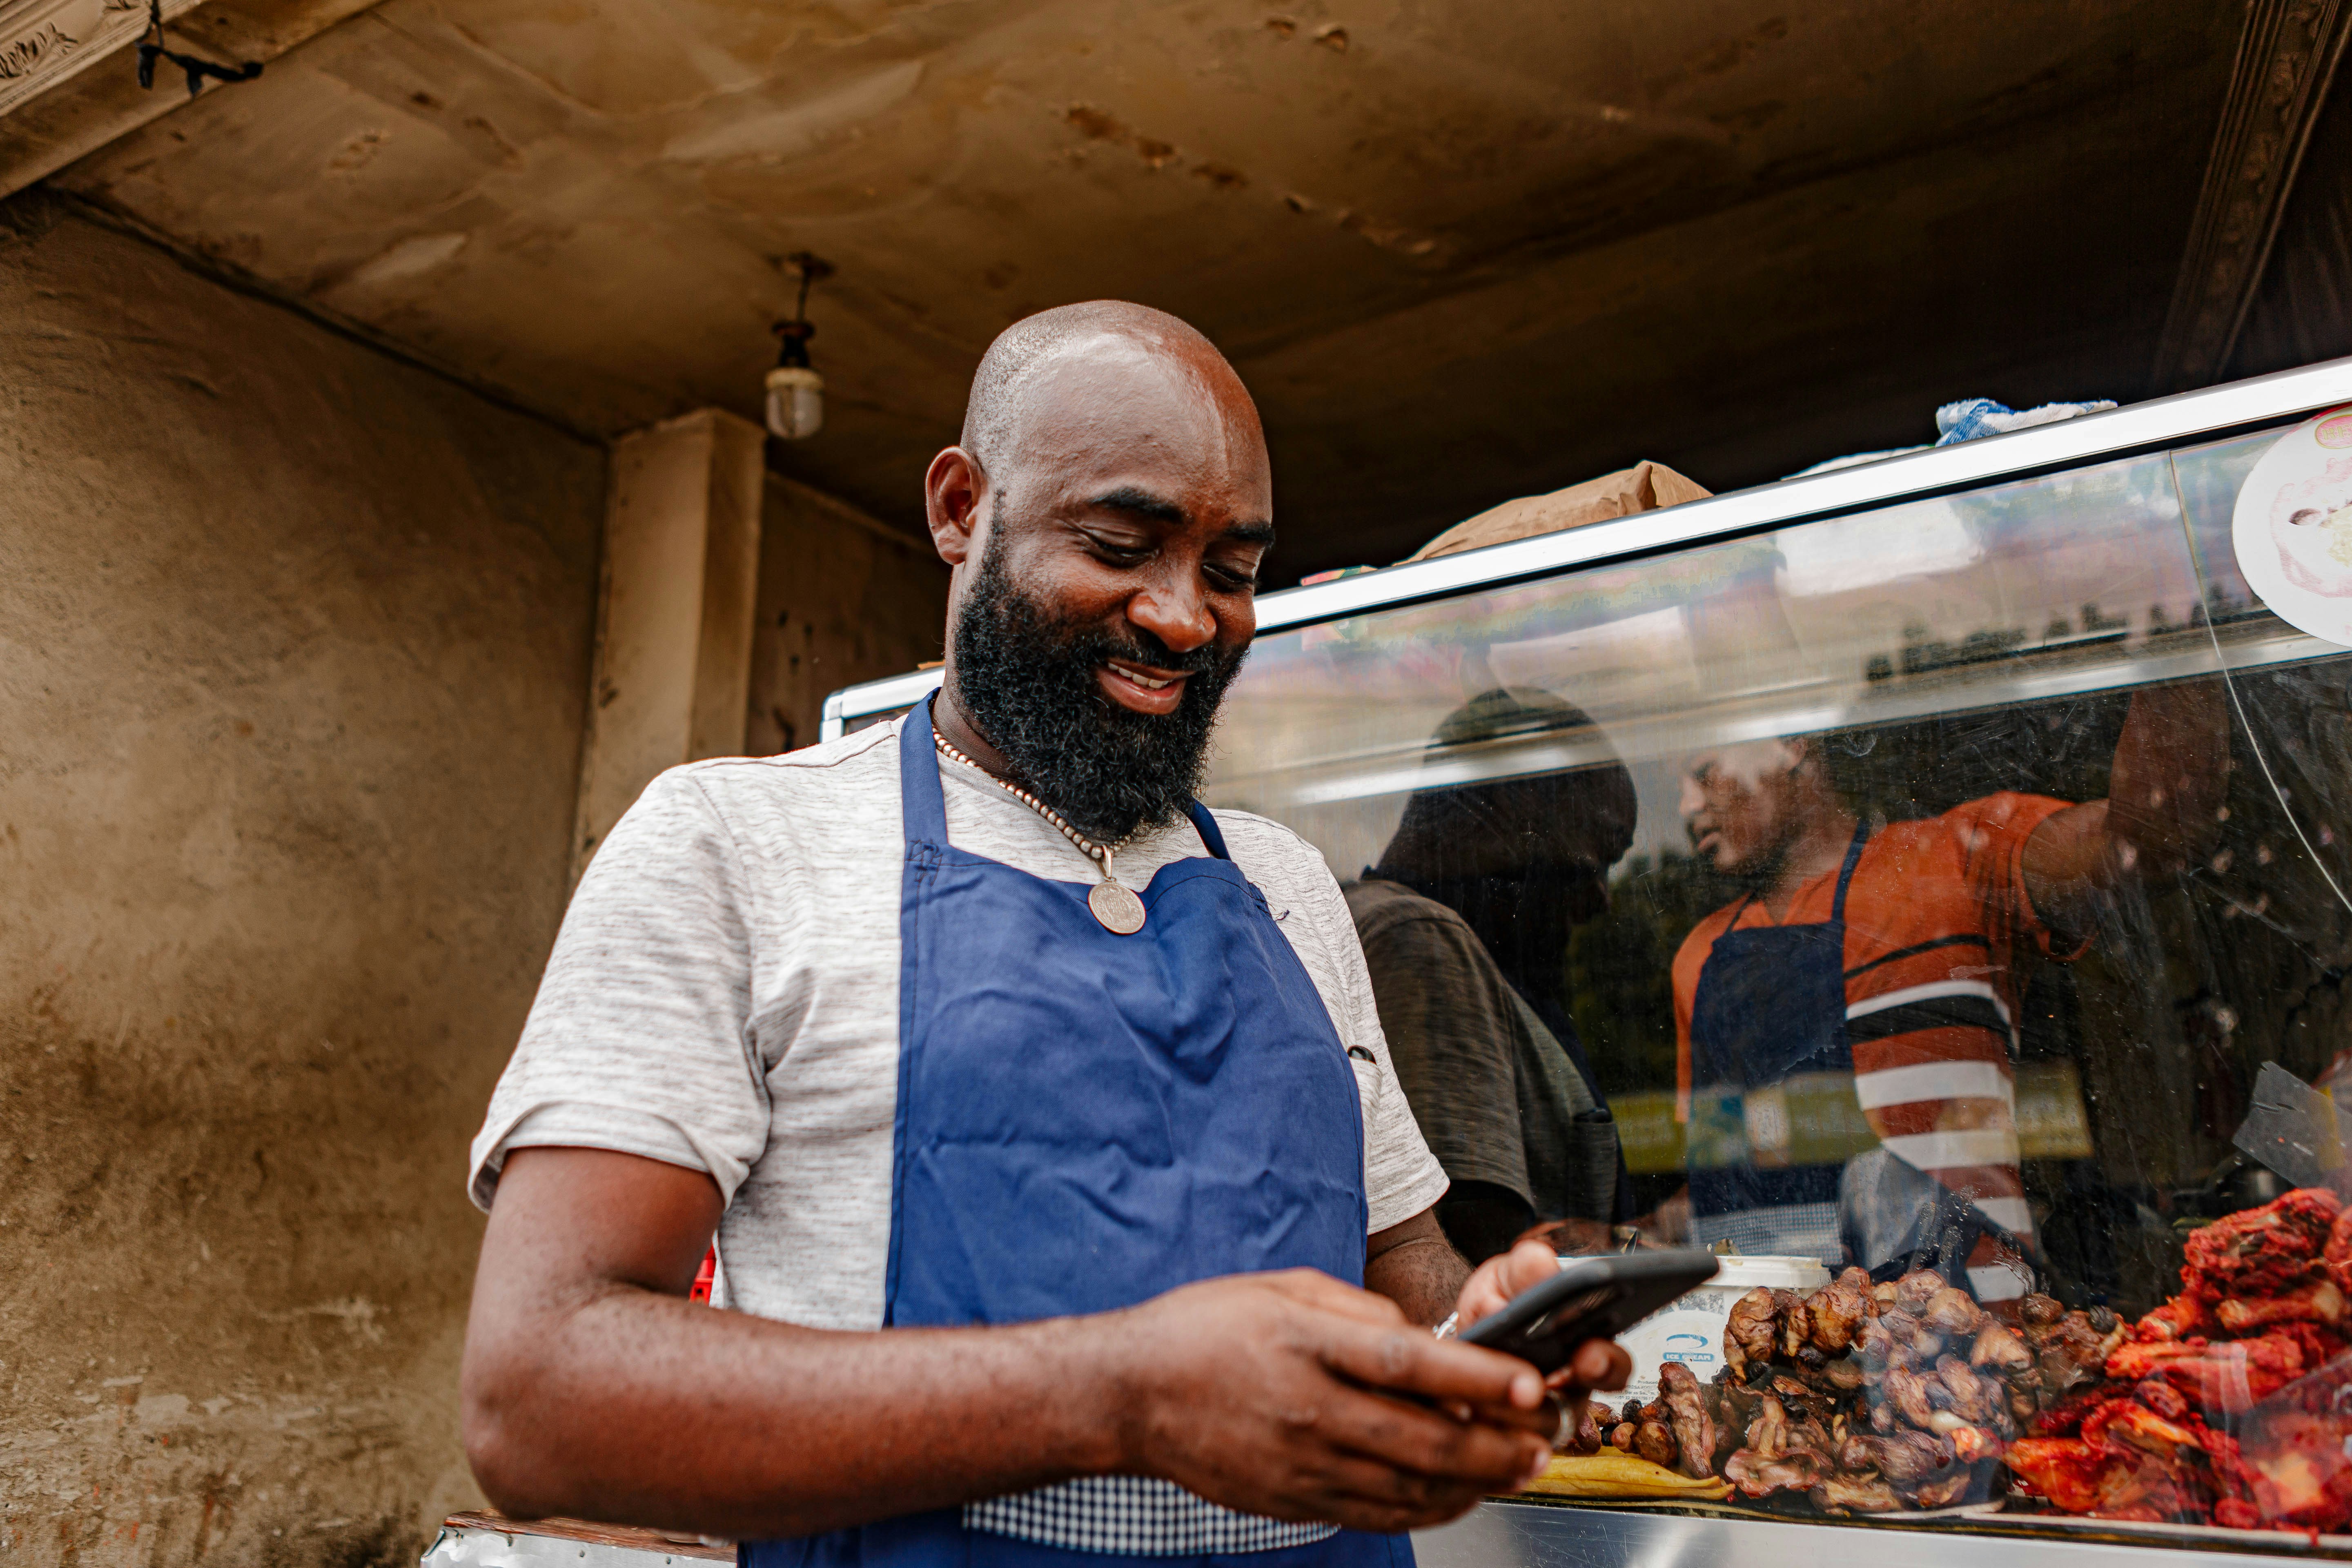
(2161, 422)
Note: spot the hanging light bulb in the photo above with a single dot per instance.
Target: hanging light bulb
(795, 390)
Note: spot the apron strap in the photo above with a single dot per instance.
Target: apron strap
(1845, 875)
(1210, 838)
(921, 805)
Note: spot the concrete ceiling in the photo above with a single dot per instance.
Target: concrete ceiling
(1461, 250)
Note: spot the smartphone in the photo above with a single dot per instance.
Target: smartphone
(1589, 1299)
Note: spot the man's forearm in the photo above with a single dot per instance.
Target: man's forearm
(1415, 1266)
(635, 1405)
(593, 1387)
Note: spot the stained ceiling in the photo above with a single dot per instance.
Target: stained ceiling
(1461, 250)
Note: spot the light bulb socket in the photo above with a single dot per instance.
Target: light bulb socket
(791, 349)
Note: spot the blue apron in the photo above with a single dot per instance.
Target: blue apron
(1771, 1004)
(1085, 1121)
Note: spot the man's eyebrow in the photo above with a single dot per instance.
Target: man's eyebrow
(1251, 533)
(1138, 503)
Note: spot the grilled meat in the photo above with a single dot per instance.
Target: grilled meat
(1946, 1492)
(1998, 1347)
(1915, 1290)
(1654, 1442)
(2232, 1376)
(1905, 1458)
(1855, 1494)
(1750, 1334)
(2261, 1251)
(1976, 1398)
(1836, 1312)
(1799, 1469)
(1693, 1428)
(1952, 1313)
(2313, 1301)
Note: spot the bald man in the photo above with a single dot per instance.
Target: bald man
(1066, 1200)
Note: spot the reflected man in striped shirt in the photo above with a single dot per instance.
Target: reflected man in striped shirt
(1878, 968)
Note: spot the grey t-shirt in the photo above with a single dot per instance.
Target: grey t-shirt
(1494, 1091)
(724, 996)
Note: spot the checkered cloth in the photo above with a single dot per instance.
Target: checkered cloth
(1792, 1230)
(1136, 1515)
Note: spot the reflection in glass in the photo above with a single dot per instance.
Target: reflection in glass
(1919, 894)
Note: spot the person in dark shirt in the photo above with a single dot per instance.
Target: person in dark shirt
(1464, 923)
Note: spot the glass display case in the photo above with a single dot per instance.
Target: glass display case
(1926, 884)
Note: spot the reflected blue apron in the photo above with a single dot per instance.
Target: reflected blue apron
(1770, 1005)
(1085, 1121)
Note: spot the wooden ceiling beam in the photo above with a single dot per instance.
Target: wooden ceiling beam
(2286, 58)
(69, 78)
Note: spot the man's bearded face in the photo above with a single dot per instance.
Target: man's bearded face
(1027, 680)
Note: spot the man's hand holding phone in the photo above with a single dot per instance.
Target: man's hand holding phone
(1597, 1365)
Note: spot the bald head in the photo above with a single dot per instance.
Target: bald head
(1106, 516)
(1015, 375)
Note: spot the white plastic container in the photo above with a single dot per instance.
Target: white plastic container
(1690, 1329)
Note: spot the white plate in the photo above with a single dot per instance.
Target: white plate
(2293, 526)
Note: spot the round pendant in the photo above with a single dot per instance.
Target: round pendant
(1117, 908)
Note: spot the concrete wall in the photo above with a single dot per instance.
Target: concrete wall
(293, 650)
(842, 599)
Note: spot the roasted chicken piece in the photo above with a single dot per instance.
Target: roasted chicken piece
(1799, 1469)
(2080, 1478)
(1836, 1312)
(1855, 1494)
(1621, 1437)
(1912, 1336)
(2122, 1424)
(2231, 1376)
(2313, 1301)
(2177, 1318)
(1749, 1336)
(1974, 1397)
(1904, 1391)
(1915, 1290)
(2039, 1311)
(1587, 1439)
(1952, 1313)
(1904, 1458)
(2261, 1251)
(1794, 1323)
(2064, 1418)
(2161, 1397)
(1944, 1493)
(1876, 1347)
(1735, 1400)
(1693, 1428)
(1973, 1443)
(1998, 1347)
(2294, 1473)
(1768, 1434)
(1654, 1442)
(2336, 1256)
(2073, 1351)
(1844, 1375)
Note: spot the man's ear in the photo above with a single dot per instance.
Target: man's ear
(954, 487)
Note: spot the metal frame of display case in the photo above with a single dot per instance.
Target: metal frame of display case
(1552, 1536)
(2153, 427)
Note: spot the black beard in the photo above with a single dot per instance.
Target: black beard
(1027, 682)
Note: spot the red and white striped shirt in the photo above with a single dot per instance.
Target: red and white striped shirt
(1938, 930)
